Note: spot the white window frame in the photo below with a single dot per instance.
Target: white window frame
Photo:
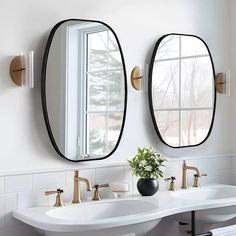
(76, 129)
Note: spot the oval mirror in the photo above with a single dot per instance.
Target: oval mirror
(84, 89)
(181, 90)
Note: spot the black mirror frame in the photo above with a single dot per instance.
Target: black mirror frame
(43, 89)
(150, 91)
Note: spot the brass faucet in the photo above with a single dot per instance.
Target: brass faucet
(77, 180)
(184, 175)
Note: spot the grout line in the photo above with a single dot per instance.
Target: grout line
(32, 184)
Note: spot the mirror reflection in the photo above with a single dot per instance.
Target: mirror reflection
(181, 86)
(84, 89)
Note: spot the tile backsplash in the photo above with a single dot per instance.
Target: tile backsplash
(27, 190)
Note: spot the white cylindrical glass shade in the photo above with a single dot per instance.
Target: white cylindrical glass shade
(29, 68)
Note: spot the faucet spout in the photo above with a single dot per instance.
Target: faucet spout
(86, 181)
(77, 180)
(184, 173)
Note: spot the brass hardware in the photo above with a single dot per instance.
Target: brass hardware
(59, 202)
(220, 82)
(196, 176)
(172, 183)
(203, 174)
(96, 196)
(22, 69)
(196, 179)
(17, 70)
(136, 78)
(184, 177)
(77, 180)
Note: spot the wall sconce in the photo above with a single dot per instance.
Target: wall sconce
(222, 83)
(136, 78)
(22, 69)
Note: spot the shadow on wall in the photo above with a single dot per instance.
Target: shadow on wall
(36, 104)
(166, 228)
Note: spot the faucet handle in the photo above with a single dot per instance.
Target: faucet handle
(97, 186)
(96, 196)
(172, 178)
(196, 179)
(59, 202)
(203, 174)
(172, 183)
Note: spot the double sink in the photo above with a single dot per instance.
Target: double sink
(132, 216)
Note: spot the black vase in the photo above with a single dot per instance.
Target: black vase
(147, 187)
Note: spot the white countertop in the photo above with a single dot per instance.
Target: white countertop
(167, 204)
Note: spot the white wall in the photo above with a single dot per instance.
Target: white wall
(23, 137)
(233, 70)
(24, 142)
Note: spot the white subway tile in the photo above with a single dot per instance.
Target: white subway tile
(134, 184)
(10, 201)
(128, 178)
(2, 210)
(2, 184)
(217, 177)
(67, 196)
(173, 166)
(49, 181)
(108, 175)
(17, 183)
(233, 177)
(209, 164)
(233, 162)
(32, 199)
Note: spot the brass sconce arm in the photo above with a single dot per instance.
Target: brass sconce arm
(136, 78)
(220, 82)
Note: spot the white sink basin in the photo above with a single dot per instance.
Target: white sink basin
(221, 194)
(206, 193)
(101, 210)
(104, 218)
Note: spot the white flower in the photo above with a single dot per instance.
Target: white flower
(143, 163)
(148, 168)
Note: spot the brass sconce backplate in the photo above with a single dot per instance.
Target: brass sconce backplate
(136, 78)
(220, 82)
(17, 70)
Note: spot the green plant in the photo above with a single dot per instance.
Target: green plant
(147, 163)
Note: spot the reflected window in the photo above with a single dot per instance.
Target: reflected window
(98, 86)
(182, 90)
